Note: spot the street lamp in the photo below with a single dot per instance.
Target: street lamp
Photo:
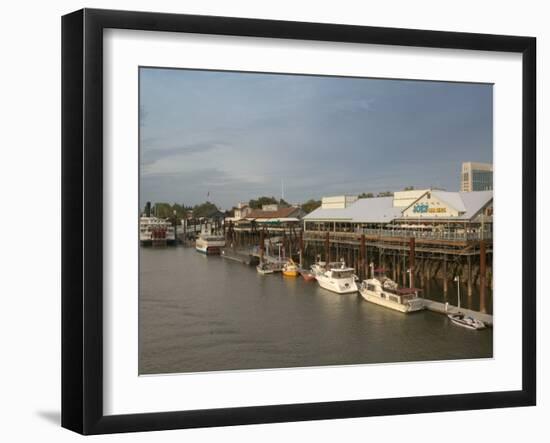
(175, 227)
(457, 279)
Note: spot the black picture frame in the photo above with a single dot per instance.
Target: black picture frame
(82, 218)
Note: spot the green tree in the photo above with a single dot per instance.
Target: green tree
(311, 205)
(366, 195)
(408, 188)
(258, 203)
(205, 209)
(385, 194)
(163, 210)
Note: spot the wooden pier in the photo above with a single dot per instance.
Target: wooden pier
(436, 306)
(427, 256)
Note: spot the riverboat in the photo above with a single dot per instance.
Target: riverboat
(210, 244)
(156, 231)
(339, 279)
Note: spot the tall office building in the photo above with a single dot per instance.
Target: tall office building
(476, 177)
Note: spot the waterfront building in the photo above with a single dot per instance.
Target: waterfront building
(476, 177)
(241, 211)
(271, 217)
(417, 213)
(269, 212)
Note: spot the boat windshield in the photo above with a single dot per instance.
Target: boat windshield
(212, 238)
(342, 274)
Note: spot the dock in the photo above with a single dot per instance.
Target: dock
(243, 257)
(439, 307)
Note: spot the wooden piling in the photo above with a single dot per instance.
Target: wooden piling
(411, 261)
(362, 257)
(404, 271)
(482, 275)
(469, 270)
(327, 248)
(262, 246)
(445, 274)
(301, 240)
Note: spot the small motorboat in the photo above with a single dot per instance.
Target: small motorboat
(265, 268)
(290, 269)
(466, 321)
(307, 275)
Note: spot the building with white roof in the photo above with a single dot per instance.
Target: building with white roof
(469, 213)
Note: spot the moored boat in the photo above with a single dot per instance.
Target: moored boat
(156, 231)
(210, 244)
(466, 321)
(307, 275)
(385, 292)
(290, 269)
(460, 319)
(318, 267)
(339, 279)
(265, 268)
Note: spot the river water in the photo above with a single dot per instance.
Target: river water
(205, 313)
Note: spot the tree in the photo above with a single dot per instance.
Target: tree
(163, 210)
(166, 210)
(311, 205)
(205, 209)
(385, 194)
(258, 203)
(408, 188)
(366, 195)
(147, 209)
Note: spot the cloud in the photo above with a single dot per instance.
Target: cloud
(151, 155)
(354, 104)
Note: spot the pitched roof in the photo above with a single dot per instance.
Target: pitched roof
(280, 213)
(468, 204)
(364, 210)
(475, 202)
(381, 209)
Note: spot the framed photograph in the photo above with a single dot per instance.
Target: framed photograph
(268, 221)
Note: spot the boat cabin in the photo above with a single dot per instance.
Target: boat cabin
(388, 289)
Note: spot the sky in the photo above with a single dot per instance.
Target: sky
(228, 137)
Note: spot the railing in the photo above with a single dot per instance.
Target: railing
(396, 233)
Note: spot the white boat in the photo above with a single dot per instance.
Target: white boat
(321, 266)
(318, 267)
(210, 244)
(265, 268)
(339, 279)
(466, 321)
(154, 230)
(460, 319)
(385, 292)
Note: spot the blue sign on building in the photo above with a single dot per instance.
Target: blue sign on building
(420, 208)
